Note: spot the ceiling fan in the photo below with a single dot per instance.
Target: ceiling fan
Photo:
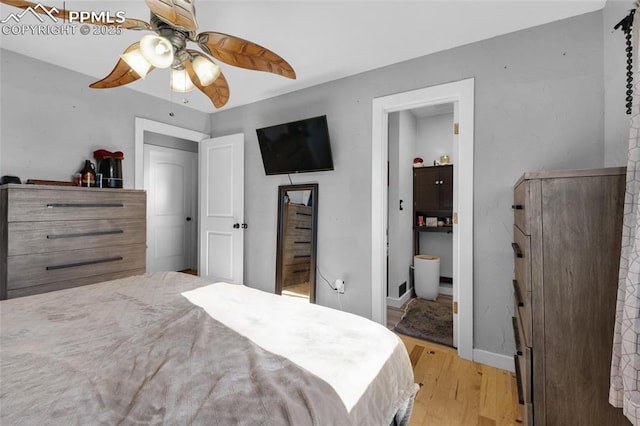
(174, 22)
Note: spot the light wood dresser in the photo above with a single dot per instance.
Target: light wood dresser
(567, 234)
(55, 237)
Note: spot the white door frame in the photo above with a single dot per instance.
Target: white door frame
(141, 125)
(461, 92)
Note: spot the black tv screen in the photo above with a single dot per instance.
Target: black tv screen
(296, 147)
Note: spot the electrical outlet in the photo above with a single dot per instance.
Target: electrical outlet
(339, 286)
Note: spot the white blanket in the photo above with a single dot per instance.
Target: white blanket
(306, 334)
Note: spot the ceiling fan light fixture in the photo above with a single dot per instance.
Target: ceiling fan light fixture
(136, 60)
(157, 50)
(180, 81)
(206, 70)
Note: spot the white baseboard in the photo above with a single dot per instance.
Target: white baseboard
(398, 302)
(445, 290)
(500, 361)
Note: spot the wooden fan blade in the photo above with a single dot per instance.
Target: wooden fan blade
(218, 91)
(244, 54)
(122, 73)
(54, 12)
(180, 13)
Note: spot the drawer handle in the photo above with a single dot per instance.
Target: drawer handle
(297, 271)
(298, 256)
(302, 242)
(518, 380)
(303, 214)
(516, 290)
(517, 207)
(85, 234)
(82, 205)
(302, 227)
(516, 249)
(88, 262)
(516, 334)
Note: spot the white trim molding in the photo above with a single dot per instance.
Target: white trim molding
(461, 93)
(500, 361)
(142, 125)
(398, 302)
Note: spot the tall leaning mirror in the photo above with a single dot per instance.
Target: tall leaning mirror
(297, 233)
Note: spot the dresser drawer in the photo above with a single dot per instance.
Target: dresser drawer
(43, 237)
(37, 205)
(38, 269)
(294, 274)
(522, 303)
(61, 285)
(524, 373)
(527, 414)
(517, 335)
(522, 259)
(297, 247)
(293, 258)
(300, 231)
(521, 208)
(300, 218)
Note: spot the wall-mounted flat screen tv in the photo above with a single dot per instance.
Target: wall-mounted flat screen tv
(296, 147)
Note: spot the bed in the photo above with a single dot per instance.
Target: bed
(171, 348)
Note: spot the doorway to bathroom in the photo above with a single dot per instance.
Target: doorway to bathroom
(461, 94)
(420, 222)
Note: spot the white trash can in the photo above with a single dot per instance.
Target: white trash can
(426, 276)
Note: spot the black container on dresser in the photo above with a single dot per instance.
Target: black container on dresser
(566, 245)
(55, 237)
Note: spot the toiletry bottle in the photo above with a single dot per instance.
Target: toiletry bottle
(88, 174)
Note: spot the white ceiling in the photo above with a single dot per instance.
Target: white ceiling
(322, 40)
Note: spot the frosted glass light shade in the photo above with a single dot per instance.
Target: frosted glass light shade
(137, 62)
(157, 50)
(206, 70)
(180, 81)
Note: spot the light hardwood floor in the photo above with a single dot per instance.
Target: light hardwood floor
(454, 391)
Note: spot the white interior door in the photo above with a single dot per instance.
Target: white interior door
(222, 209)
(170, 181)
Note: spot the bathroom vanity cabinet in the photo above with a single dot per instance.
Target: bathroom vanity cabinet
(432, 198)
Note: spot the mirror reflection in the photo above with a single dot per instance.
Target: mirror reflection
(297, 232)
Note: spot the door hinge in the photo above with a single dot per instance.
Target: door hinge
(456, 128)
(455, 218)
(455, 307)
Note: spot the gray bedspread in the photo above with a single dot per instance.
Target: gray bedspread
(135, 352)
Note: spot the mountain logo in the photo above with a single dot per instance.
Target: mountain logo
(34, 11)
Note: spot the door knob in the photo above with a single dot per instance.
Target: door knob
(236, 226)
(188, 219)
(245, 226)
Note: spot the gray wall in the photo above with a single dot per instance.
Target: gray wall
(538, 105)
(402, 136)
(616, 121)
(52, 121)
